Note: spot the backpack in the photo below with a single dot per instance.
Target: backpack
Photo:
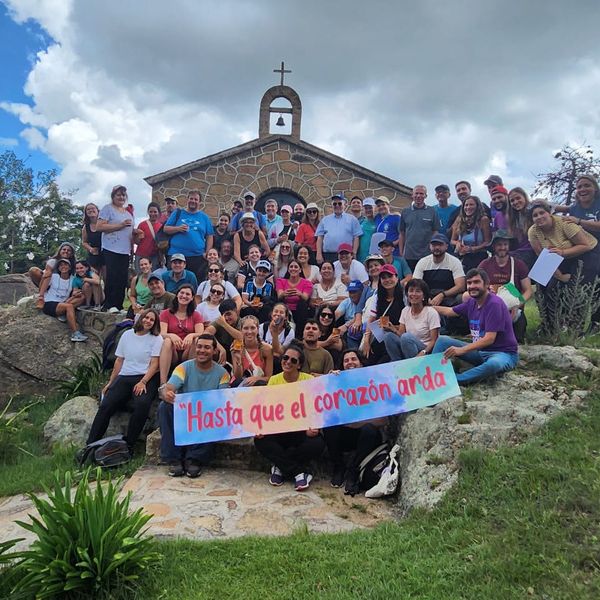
(389, 477)
(163, 239)
(372, 466)
(111, 451)
(111, 341)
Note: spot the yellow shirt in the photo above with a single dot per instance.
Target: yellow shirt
(560, 236)
(279, 380)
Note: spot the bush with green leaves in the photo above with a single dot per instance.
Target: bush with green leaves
(9, 425)
(86, 379)
(87, 542)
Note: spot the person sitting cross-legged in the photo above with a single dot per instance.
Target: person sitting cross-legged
(494, 348)
(291, 452)
(196, 375)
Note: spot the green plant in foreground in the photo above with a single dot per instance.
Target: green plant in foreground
(88, 544)
(85, 379)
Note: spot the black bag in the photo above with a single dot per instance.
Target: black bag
(111, 451)
(372, 466)
(111, 341)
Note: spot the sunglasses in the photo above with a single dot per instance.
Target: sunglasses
(326, 316)
(214, 270)
(312, 211)
(337, 203)
(217, 292)
(292, 359)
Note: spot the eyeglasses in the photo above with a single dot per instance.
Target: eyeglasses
(217, 292)
(337, 203)
(214, 270)
(326, 316)
(312, 211)
(291, 359)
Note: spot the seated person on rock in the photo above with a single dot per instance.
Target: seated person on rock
(330, 337)
(88, 281)
(42, 278)
(180, 324)
(290, 453)
(351, 331)
(159, 297)
(252, 358)
(316, 361)
(226, 329)
(502, 269)
(419, 326)
(197, 375)
(278, 331)
(360, 439)
(258, 294)
(134, 378)
(494, 348)
(60, 300)
(216, 274)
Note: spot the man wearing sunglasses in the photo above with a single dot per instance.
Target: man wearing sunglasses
(336, 229)
(290, 453)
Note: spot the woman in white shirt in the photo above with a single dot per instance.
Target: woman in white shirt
(209, 309)
(134, 378)
(418, 328)
(216, 274)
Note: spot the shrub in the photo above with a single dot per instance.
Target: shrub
(86, 379)
(88, 545)
(9, 425)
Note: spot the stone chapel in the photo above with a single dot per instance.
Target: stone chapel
(276, 165)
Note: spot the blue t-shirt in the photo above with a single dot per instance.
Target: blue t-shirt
(492, 316)
(193, 241)
(390, 226)
(338, 230)
(401, 266)
(587, 214)
(171, 285)
(446, 216)
(78, 281)
(187, 377)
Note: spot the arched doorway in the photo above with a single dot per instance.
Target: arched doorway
(281, 195)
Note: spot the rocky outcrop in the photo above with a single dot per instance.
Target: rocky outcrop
(14, 287)
(71, 422)
(486, 416)
(36, 350)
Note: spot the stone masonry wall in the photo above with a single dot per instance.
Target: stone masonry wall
(278, 166)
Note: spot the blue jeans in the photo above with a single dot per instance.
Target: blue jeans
(169, 452)
(402, 346)
(487, 363)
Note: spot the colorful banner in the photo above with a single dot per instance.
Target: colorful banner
(350, 396)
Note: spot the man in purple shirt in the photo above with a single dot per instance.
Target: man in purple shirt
(494, 348)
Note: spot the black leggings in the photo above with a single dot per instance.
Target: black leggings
(117, 274)
(119, 394)
(361, 441)
(291, 452)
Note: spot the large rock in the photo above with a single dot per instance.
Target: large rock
(36, 350)
(487, 416)
(14, 287)
(565, 358)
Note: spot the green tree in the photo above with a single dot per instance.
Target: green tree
(572, 162)
(35, 216)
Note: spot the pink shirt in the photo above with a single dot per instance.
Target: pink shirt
(304, 286)
(180, 327)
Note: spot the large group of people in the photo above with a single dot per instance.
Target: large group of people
(267, 299)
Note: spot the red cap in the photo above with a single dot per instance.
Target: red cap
(345, 248)
(391, 269)
(499, 189)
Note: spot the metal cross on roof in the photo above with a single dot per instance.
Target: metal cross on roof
(281, 70)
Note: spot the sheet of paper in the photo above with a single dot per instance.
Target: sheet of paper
(374, 247)
(544, 267)
(377, 330)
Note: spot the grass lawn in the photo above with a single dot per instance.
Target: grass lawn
(521, 523)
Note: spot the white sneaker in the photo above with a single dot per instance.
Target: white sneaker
(113, 310)
(302, 481)
(78, 336)
(61, 318)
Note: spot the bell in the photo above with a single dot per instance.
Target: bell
(280, 122)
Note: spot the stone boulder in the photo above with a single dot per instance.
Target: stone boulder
(36, 349)
(71, 422)
(14, 287)
(486, 416)
(565, 358)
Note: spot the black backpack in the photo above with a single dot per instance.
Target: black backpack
(111, 451)
(111, 341)
(372, 465)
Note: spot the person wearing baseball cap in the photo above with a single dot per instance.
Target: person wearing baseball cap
(258, 294)
(499, 202)
(178, 274)
(493, 181)
(386, 249)
(387, 223)
(348, 309)
(446, 212)
(286, 229)
(335, 229)
(502, 269)
(249, 200)
(347, 268)
(367, 224)
(160, 298)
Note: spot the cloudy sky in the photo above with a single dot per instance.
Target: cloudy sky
(423, 92)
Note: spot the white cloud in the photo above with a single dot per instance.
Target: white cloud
(417, 91)
(8, 142)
